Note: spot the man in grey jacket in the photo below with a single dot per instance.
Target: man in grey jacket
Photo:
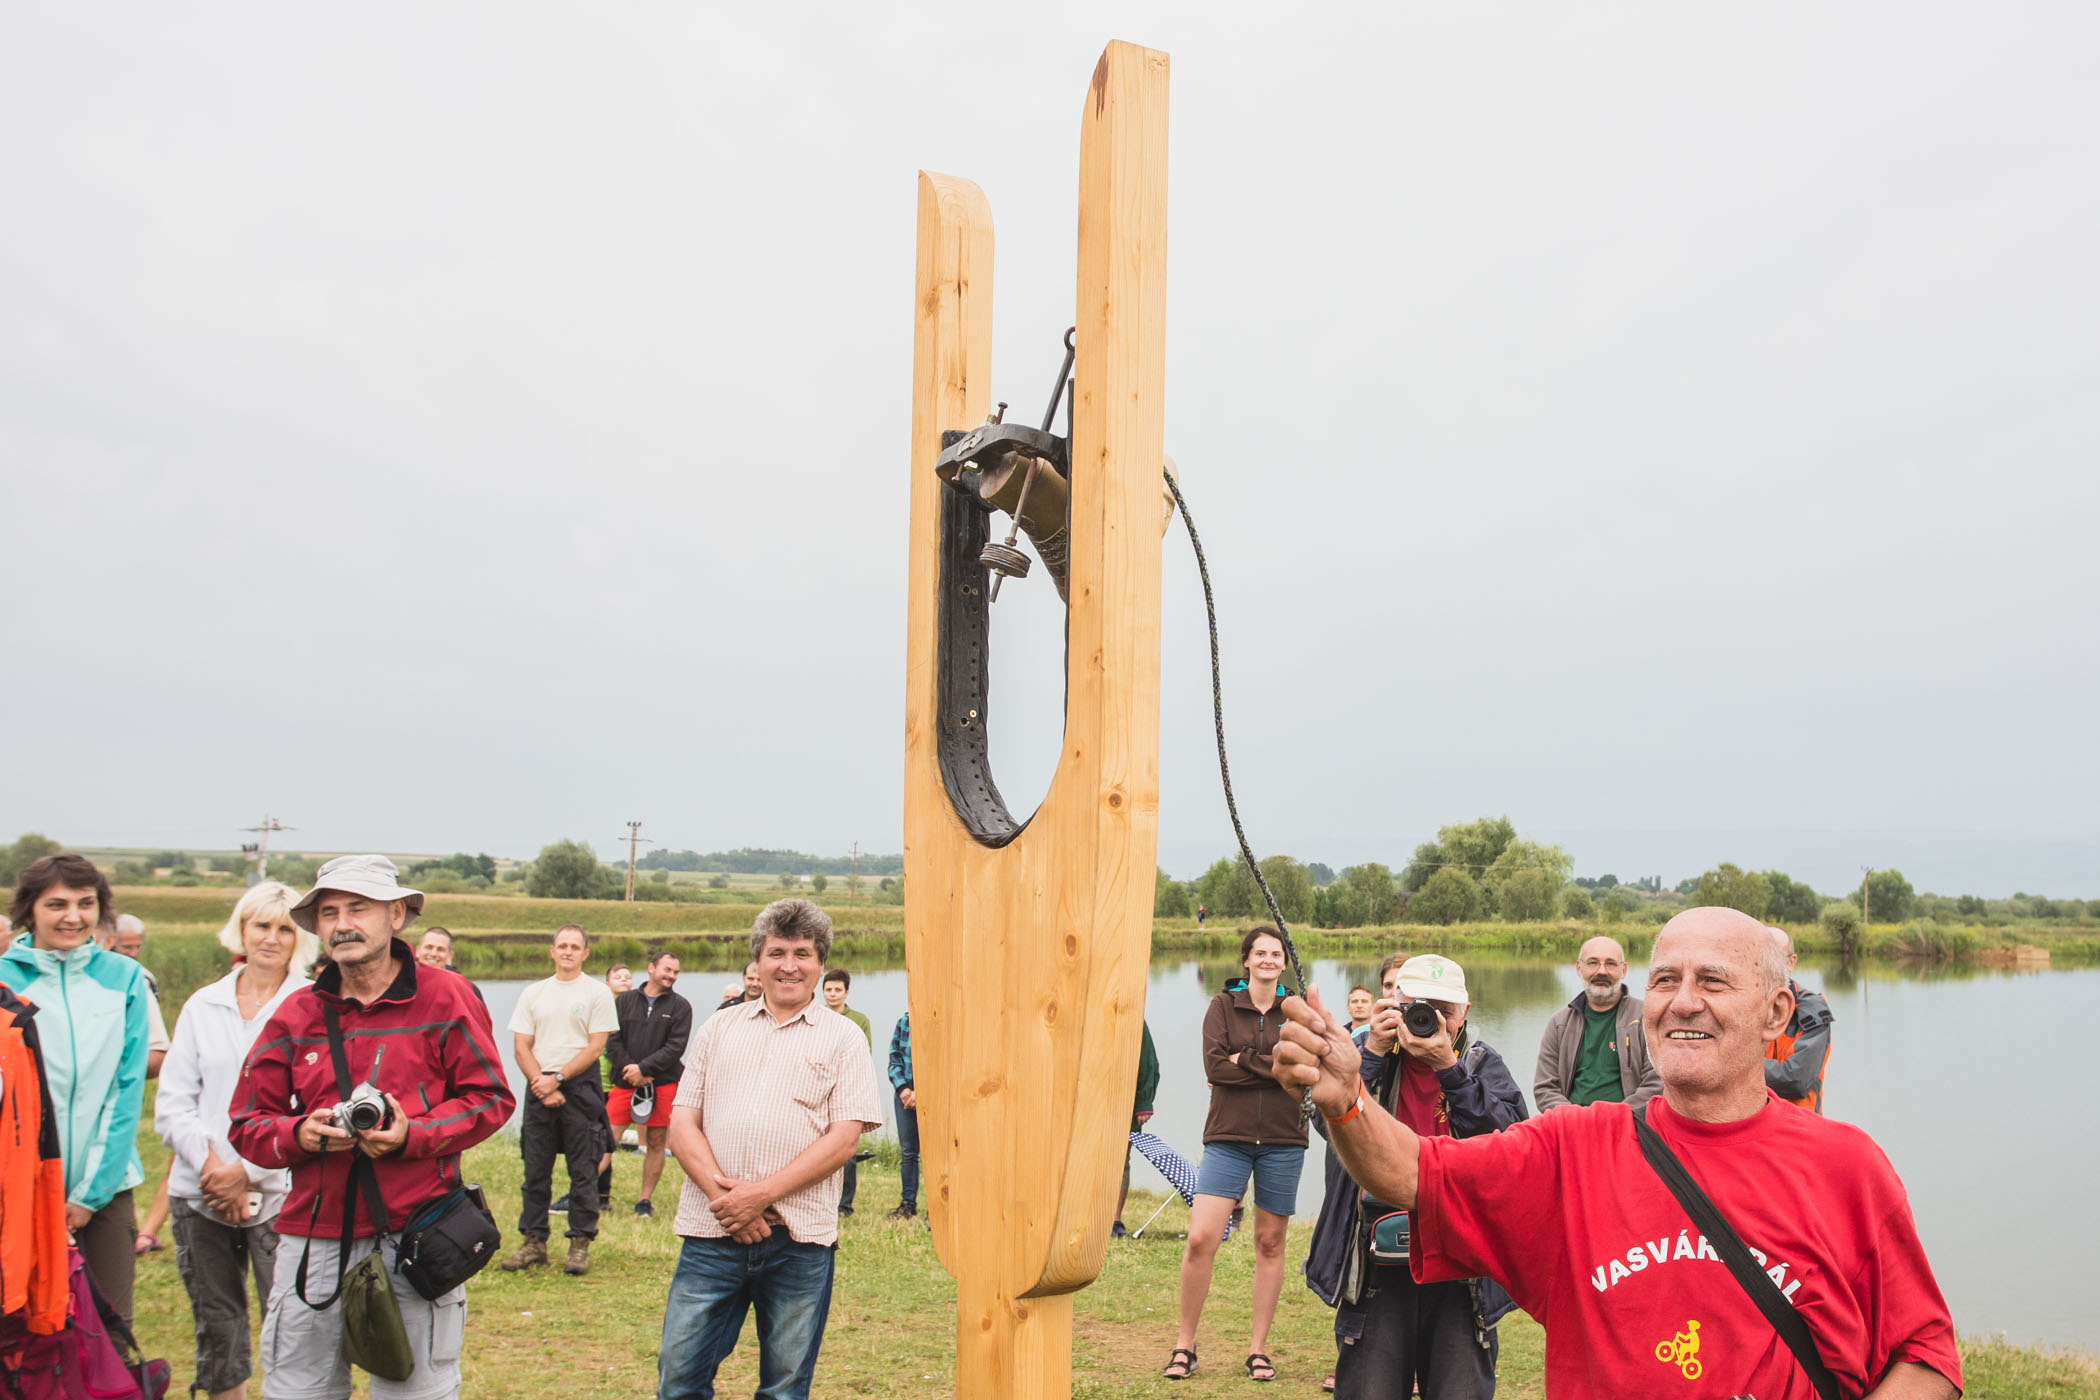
(1593, 1049)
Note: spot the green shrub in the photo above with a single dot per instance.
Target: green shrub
(1448, 897)
(1170, 898)
(1577, 904)
(1840, 924)
(1930, 944)
(1529, 896)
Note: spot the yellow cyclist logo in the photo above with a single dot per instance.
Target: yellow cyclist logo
(1682, 1351)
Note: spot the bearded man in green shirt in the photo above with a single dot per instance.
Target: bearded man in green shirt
(1593, 1050)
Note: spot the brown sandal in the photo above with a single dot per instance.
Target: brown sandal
(1188, 1366)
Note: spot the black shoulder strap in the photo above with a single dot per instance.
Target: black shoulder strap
(361, 1172)
(1778, 1311)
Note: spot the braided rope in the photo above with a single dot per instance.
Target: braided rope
(1217, 705)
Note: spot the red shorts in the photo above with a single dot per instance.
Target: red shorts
(619, 1108)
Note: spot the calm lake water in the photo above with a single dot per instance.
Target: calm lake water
(1974, 1085)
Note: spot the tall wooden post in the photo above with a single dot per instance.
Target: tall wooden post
(1027, 952)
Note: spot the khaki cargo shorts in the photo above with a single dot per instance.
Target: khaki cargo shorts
(302, 1349)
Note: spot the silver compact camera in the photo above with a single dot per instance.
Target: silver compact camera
(366, 1108)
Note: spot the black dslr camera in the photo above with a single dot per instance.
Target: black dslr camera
(1421, 1019)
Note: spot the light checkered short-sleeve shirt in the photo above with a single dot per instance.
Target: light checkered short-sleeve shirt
(766, 1090)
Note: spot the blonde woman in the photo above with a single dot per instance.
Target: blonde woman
(224, 1208)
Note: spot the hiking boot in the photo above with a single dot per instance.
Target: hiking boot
(643, 1208)
(560, 1207)
(579, 1257)
(532, 1250)
(904, 1212)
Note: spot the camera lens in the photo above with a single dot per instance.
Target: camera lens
(364, 1116)
(1421, 1019)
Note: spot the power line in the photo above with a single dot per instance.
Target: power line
(634, 838)
(260, 847)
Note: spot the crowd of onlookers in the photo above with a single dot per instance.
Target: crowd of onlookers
(325, 996)
(1432, 1151)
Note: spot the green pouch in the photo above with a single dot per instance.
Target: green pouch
(373, 1334)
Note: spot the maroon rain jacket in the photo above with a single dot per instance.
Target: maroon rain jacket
(440, 1064)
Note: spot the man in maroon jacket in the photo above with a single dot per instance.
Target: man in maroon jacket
(417, 1034)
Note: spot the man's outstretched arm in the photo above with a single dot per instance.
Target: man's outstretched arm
(1316, 1054)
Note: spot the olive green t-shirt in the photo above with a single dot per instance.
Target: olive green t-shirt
(1597, 1060)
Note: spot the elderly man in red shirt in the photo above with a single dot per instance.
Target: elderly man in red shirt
(775, 1096)
(417, 1034)
(1571, 1211)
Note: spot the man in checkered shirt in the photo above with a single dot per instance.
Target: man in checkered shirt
(775, 1096)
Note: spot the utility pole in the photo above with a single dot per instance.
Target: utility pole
(853, 879)
(634, 838)
(1866, 907)
(260, 847)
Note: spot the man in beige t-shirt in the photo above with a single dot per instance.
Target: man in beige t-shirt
(559, 1030)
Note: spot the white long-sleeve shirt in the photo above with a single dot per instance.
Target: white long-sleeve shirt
(197, 1081)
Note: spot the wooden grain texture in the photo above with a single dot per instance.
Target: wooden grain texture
(1027, 963)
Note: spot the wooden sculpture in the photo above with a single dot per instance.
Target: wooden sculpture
(1027, 943)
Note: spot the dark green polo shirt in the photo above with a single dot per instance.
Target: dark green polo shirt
(1597, 1059)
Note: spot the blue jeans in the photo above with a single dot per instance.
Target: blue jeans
(908, 1144)
(716, 1282)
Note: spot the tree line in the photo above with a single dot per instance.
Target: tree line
(1484, 870)
(1472, 871)
(758, 860)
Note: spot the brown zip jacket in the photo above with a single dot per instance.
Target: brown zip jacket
(1247, 1105)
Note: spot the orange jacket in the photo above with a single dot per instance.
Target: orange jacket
(34, 1273)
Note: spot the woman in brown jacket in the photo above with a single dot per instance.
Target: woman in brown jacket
(1254, 1130)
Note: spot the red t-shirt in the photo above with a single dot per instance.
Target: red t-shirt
(1565, 1211)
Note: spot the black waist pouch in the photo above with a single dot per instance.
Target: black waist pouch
(448, 1241)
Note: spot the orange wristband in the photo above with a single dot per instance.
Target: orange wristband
(1354, 1109)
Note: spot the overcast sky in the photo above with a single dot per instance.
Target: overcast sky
(462, 427)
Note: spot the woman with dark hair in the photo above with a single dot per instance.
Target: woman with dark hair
(1255, 1129)
(93, 1019)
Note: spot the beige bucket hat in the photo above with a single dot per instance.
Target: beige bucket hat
(1433, 977)
(374, 877)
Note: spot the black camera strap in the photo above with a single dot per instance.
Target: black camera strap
(361, 1172)
(1784, 1317)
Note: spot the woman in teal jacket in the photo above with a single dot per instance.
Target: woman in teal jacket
(92, 1018)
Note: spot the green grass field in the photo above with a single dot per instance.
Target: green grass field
(891, 1332)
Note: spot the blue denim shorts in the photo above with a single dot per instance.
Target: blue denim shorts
(1274, 1167)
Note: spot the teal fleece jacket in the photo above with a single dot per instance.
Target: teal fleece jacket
(92, 1017)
